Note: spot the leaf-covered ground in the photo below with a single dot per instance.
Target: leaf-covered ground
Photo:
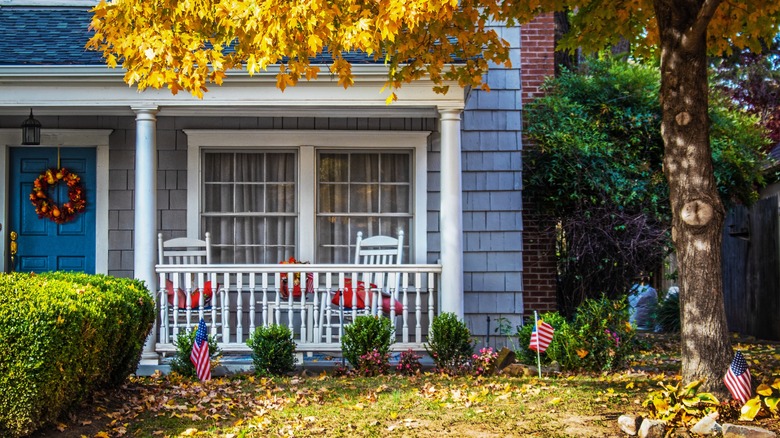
(564, 405)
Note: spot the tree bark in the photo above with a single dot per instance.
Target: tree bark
(698, 213)
(563, 58)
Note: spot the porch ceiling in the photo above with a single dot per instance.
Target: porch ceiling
(77, 90)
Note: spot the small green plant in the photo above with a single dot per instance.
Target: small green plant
(181, 363)
(273, 350)
(504, 328)
(667, 314)
(373, 364)
(680, 406)
(450, 344)
(365, 334)
(409, 363)
(766, 403)
(603, 328)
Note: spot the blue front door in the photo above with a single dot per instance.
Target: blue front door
(43, 245)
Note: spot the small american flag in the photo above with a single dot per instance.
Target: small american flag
(200, 353)
(737, 379)
(310, 283)
(541, 336)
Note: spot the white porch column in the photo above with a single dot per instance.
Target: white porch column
(451, 215)
(145, 204)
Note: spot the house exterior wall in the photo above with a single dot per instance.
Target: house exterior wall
(492, 199)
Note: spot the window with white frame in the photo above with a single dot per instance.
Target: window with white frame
(265, 197)
(360, 191)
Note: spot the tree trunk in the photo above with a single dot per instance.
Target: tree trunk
(697, 211)
(563, 58)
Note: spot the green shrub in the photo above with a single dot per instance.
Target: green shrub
(365, 334)
(181, 363)
(273, 350)
(449, 344)
(606, 335)
(64, 336)
(667, 314)
(599, 338)
(562, 349)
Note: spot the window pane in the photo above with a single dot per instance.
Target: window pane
(218, 198)
(333, 198)
(395, 199)
(281, 198)
(395, 167)
(249, 198)
(364, 167)
(281, 167)
(249, 167)
(334, 168)
(364, 198)
(218, 167)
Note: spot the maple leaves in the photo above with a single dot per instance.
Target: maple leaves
(185, 45)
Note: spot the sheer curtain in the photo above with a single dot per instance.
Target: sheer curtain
(249, 206)
(365, 191)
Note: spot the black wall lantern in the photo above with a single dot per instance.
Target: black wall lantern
(31, 130)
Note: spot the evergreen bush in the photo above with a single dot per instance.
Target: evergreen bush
(449, 344)
(365, 334)
(273, 350)
(64, 336)
(181, 362)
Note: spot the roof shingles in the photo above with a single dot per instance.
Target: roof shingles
(58, 37)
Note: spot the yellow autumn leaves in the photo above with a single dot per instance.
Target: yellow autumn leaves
(186, 45)
(767, 398)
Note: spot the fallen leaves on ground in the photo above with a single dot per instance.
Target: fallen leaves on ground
(427, 405)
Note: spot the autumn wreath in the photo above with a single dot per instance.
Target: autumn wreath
(49, 209)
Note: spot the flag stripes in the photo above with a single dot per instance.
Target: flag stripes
(541, 336)
(200, 353)
(737, 379)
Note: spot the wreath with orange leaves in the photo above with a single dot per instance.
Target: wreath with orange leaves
(46, 207)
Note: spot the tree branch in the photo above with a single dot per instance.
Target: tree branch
(703, 18)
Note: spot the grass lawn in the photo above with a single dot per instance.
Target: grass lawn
(428, 405)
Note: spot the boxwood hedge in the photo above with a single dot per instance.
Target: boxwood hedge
(63, 335)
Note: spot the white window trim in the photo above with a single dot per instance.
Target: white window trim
(307, 141)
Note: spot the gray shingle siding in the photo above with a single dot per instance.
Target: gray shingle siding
(492, 183)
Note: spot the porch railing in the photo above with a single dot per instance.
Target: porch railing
(312, 300)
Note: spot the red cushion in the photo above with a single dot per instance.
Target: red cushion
(207, 294)
(284, 290)
(359, 297)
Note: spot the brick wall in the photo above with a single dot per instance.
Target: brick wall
(537, 61)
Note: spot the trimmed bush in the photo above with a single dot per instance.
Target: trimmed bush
(181, 362)
(65, 335)
(450, 344)
(366, 334)
(273, 350)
